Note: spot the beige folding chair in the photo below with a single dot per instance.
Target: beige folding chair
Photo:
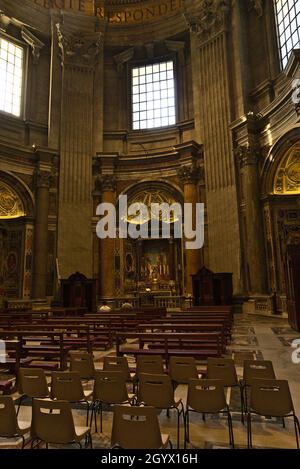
(117, 364)
(32, 383)
(52, 423)
(83, 363)
(137, 428)
(182, 369)
(67, 386)
(224, 369)
(150, 364)
(261, 369)
(9, 425)
(157, 391)
(207, 397)
(271, 398)
(109, 388)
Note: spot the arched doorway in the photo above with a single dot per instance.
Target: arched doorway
(281, 184)
(155, 264)
(16, 234)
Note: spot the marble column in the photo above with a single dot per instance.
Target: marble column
(43, 181)
(172, 259)
(107, 246)
(190, 176)
(255, 246)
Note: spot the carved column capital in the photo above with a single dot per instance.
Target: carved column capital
(107, 183)
(35, 44)
(123, 58)
(79, 49)
(247, 155)
(190, 174)
(211, 18)
(258, 6)
(43, 178)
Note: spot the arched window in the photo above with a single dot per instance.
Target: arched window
(287, 14)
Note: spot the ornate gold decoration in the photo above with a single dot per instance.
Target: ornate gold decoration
(148, 198)
(11, 205)
(287, 178)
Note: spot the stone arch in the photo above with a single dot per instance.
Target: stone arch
(18, 190)
(281, 169)
(150, 185)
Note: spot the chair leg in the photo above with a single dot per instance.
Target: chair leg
(23, 442)
(20, 403)
(101, 417)
(87, 412)
(95, 419)
(249, 430)
(230, 429)
(242, 404)
(47, 446)
(178, 428)
(91, 440)
(297, 429)
(186, 428)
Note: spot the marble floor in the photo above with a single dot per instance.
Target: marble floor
(253, 336)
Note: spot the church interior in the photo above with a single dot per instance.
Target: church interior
(137, 340)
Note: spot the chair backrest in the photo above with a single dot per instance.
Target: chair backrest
(136, 428)
(117, 364)
(206, 395)
(67, 386)
(8, 417)
(156, 391)
(52, 421)
(33, 382)
(223, 369)
(83, 363)
(110, 387)
(152, 364)
(181, 370)
(271, 397)
(262, 369)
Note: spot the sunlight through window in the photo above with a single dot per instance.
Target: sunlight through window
(11, 77)
(153, 96)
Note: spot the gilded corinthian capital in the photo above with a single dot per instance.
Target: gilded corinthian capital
(79, 49)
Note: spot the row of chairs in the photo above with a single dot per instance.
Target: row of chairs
(52, 420)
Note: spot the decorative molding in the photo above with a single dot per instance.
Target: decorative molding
(35, 44)
(211, 17)
(79, 49)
